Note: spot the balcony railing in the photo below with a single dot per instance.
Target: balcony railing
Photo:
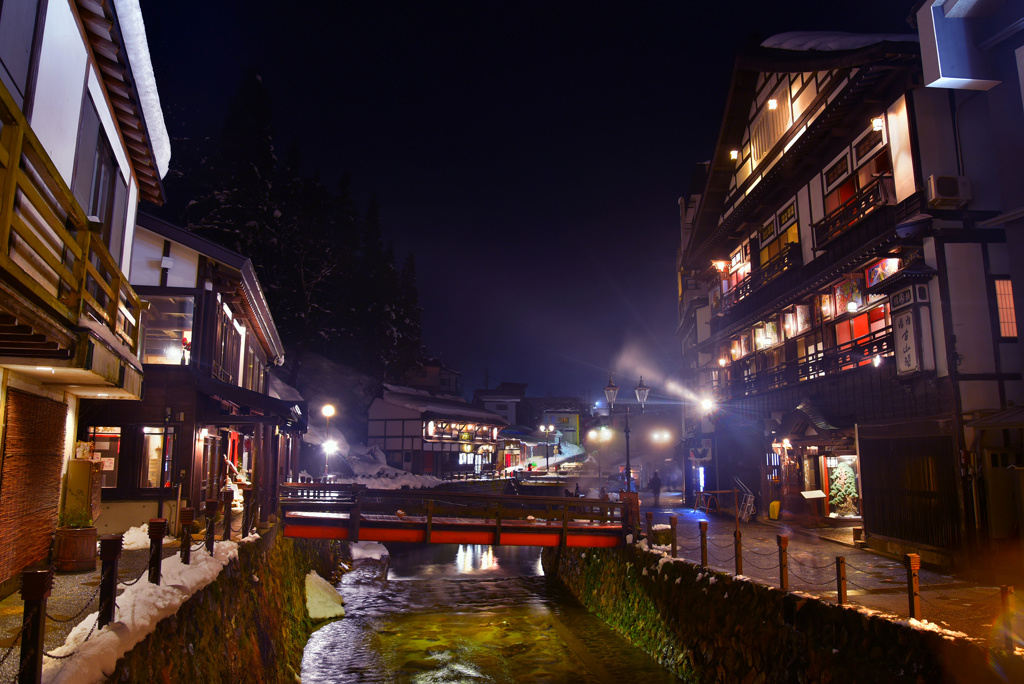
(768, 272)
(844, 357)
(48, 246)
(879, 192)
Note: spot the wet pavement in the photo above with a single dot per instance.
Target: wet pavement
(949, 600)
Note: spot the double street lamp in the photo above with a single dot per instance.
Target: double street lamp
(549, 431)
(612, 391)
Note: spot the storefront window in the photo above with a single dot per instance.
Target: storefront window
(167, 330)
(107, 447)
(843, 485)
(157, 448)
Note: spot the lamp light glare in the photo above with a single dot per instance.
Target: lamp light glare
(707, 404)
(877, 360)
(327, 410)
(722, 362)
(852, 307)
(734, 154)
(877, 123)
(330, 447)
(773, 103)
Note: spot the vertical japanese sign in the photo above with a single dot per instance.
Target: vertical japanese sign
(905, 340)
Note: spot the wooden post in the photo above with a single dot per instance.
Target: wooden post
(110, 553)
(186, 517)
(246, 510)
(157, 529)
(497, 525)
(36, 583)
(430, 519)
(739, 552)
(841, 580)
(703, 543)
(783, 542)
(227, 496)
(650, 522)
(353, 516)
(672, 521)
(1006, 598)
(736, 503)
(565, 527)
(912, 561)
(211, 514)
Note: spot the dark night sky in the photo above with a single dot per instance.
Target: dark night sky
(530, 154)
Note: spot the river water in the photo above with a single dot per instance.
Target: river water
(448, 613)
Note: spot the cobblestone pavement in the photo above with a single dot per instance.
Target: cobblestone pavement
(873, 581)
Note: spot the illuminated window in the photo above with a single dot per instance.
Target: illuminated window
(157, 450)
(167, 330)
(107, 447)
(1007, 315)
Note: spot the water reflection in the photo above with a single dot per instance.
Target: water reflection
(467, 614)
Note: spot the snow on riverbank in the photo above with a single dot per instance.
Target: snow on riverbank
(94, 652)
(322, 600)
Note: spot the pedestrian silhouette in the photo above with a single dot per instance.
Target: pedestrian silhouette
(656, 488)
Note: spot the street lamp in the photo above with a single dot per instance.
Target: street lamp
(610, 392)
(330, 446)
(548, 431)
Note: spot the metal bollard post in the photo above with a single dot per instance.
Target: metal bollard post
(912, 561)
(650, 523)
(703, 543)
(36, 583)
(1006, 598)
(246, 510)
(783, 542)
(186, 518)
(157, 530)
(739, 552)
(841, 580)
(211, 513)
(672, 521)
(110, 554)
(227, 496)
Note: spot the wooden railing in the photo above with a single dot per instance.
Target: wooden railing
(844, 357)
(48, 246)
(768, 272)
(879, 192)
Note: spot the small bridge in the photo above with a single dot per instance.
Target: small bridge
(355, 513)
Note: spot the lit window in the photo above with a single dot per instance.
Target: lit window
(1007, 315)
(157, 450)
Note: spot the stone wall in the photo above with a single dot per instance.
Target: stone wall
(249, 625)
(707, 626)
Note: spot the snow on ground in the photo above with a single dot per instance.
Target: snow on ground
(137, 538)
(322, 600)
(139, 609)
(370, 468)
(373, 550)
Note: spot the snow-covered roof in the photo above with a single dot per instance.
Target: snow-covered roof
(133, 31)
(446, 406)
(832, 40)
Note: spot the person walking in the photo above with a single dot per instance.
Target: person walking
(656, 488)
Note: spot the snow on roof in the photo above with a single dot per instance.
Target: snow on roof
(133, 30)
(450, 406)
(832, 40)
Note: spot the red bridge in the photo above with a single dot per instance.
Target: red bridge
(355, 513)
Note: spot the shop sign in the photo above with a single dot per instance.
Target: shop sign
(901, 298)
(907, 360)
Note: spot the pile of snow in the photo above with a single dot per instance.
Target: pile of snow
(139, 609)
(372, 550)
(369, 467)
(137, 538)
(832, 40)
(322, 600)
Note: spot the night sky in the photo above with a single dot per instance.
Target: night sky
(529, 154)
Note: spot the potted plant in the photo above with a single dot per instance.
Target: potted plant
(74, 544)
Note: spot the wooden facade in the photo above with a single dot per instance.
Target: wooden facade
(842, 315)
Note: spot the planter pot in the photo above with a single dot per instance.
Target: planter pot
(74, 549)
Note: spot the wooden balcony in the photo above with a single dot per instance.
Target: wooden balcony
(69, 304)
(842, 358)
(878, 193)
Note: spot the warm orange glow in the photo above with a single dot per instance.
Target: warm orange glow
(773, 103)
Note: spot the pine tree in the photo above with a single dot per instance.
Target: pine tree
(843, 490)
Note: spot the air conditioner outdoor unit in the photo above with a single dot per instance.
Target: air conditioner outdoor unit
(948, 192)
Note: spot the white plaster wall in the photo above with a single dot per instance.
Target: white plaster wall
(979, 394)
(898, 131)
(147, 248)
(60, 81)
(185, 272)
(970, 308)
(803, 211)
(109, 125)
(937, 325)
(131, 215)
(936, 144)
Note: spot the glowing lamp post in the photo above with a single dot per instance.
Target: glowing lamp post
(330, 446)
(612, 391)
(549, 431)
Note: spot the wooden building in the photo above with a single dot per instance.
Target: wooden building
(843, 299)
(209, 344)
(432, 434)
(82, 143)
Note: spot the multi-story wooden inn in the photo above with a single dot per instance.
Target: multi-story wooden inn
(844, 301)
(82, 143)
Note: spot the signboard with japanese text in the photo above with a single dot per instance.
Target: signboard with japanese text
(901, 298)
(905, 339)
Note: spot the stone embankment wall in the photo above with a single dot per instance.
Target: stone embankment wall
(707, 626)
(249, 625)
